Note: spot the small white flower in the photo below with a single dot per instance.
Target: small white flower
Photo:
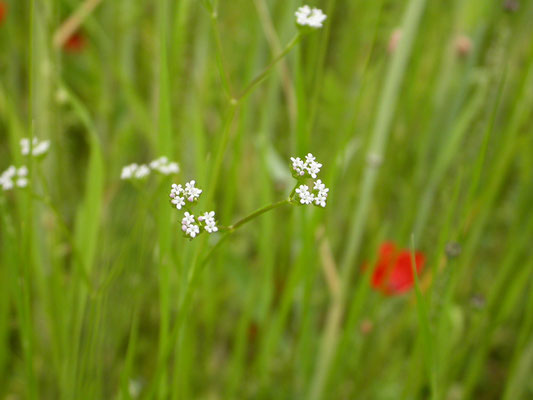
(176, 195)
(320, 200)
(178, 201)
(188, 225)
(312, 166)
(322, 195)
(309, 166)
(158, 162)
(142, 171)
(7, 184)
(6, 179)
(13, 176)
(163, 166)
(187, 219)
(128, 171)
(25, 146)
(170, 168)
(209, 219)
(10, 172)
(175, 190)
(319, 185)
(135, 171)
(312, 17)
(305, 196)
(191, 192)
(38, 147)
(41, 148)
(298, 166)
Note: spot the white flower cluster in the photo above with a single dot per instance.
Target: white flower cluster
(319, 194)
(135, 171)
(311, 17)
(190, 225)
(310, 166)
(13, 176)
(161, 165)
(164, 166)
(37, 147)
(208, 218)
(178, 194)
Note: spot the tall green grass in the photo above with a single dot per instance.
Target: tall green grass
(102, 297)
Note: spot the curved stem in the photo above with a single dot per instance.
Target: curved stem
(257, 213)
(263, 74)
(232, 228)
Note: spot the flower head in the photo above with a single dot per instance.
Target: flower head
(189, 226)
(306, 197)
(298, 166)
(322, 195)
(309, 166)
(176, 196)
(313, 167)
(163, 166)
(37, 147)
(191, 192)
(135, 171)
(311, 17)
(393, 273)
(12, 177)
(208, 218)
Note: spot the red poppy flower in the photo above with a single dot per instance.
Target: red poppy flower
(393, 273)
(75, 43)
(3, 11)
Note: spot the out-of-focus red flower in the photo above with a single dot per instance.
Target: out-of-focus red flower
(3, 11)
(393, 273)
(75, 43)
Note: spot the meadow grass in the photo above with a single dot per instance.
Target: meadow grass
(426, 142)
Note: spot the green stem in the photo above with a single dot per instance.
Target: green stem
(219, 54)
(263, 74)
(233, 105)
(232, 228)
(213, 181)
(193, 277)
(257, 213)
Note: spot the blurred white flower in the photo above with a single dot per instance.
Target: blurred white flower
(128, 170)
(22, 174)
(158, 162)
(165, 167)
(134, 171)
(6, 179)
(312, 17)
(188, 225)
(306, 197)
(209, 219)
(191, 192)
(13, 176)
(142, 171)
(170, 168)
(176, 195)
(38, 147)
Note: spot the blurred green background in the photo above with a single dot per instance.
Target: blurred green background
(420, 112)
